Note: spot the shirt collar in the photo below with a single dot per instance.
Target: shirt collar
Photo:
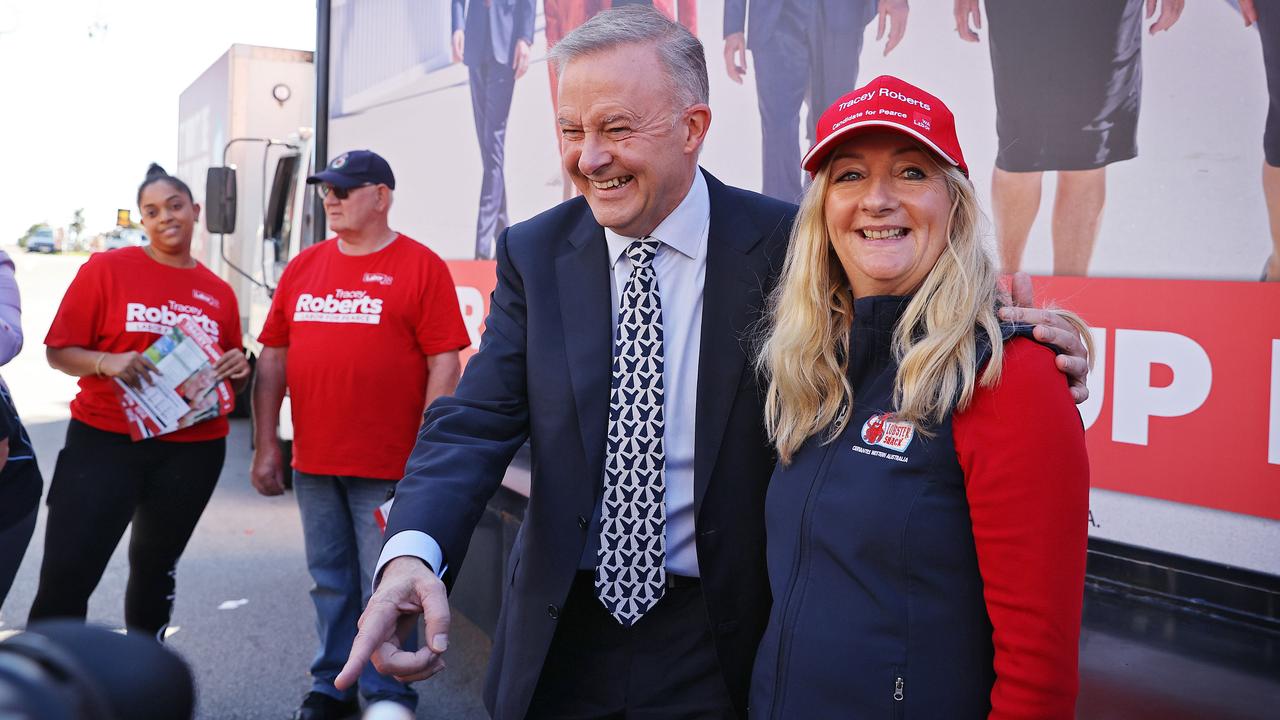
(684, 230)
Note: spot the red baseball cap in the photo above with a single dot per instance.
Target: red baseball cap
(888, 103)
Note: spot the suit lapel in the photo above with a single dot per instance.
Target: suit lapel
(732, 273)
(583, 277)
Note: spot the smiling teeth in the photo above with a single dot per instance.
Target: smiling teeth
(616, 182)
(884, 234)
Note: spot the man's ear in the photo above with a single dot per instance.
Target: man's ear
(696, 121)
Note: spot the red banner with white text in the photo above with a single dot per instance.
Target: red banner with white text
(1185, 393)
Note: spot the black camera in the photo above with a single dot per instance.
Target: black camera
(66, 670)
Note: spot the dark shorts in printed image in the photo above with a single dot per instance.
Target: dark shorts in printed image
(1269, 28)
(1068, 82)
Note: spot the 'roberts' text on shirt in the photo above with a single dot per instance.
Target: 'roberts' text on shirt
(339, 306)
(139, 317)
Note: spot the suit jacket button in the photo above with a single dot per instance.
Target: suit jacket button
(582, 522)
(553, 611)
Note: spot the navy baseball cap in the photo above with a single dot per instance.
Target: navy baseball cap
(355, 168)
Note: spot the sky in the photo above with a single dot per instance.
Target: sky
(89, 94)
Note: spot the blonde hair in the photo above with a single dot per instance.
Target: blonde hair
(935, 343)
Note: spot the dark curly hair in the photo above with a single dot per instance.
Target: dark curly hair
(155, 173)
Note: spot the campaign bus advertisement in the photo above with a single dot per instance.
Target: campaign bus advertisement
(1121, 159)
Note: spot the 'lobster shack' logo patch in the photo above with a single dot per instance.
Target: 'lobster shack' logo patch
(886, 432)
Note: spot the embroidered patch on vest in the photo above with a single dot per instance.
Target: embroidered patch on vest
(881, 429)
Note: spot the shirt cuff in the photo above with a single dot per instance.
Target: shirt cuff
(412, 543)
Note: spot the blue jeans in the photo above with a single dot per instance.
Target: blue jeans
(343, 543)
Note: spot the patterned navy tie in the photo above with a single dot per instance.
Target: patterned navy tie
(631, 570)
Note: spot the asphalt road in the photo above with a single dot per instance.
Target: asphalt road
(249, 660)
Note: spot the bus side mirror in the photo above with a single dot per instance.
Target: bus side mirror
(220, 200)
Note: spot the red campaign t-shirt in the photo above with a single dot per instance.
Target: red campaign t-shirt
(122, 300)
(359, 329)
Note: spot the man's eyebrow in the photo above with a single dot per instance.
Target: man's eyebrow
(605, 120)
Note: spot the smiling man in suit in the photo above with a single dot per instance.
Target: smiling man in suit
(618, 344)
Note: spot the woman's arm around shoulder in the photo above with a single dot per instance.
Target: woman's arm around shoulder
(1021, 445)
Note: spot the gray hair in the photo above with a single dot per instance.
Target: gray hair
(678, 50)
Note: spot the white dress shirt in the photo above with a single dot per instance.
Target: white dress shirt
(681, 267)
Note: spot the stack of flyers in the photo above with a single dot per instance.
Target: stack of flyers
(186, 391)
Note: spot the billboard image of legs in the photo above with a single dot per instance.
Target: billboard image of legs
(1115, 148)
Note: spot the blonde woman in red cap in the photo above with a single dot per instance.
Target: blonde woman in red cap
(926, 526)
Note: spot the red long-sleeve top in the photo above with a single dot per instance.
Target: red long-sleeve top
(1029, 508)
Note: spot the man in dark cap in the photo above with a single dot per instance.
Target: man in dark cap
(368, 327)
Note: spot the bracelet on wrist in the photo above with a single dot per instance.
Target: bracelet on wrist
(97, 366)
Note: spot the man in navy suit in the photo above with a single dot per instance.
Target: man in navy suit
(632, 126)
(492, 37)
(805, 51)
(618, 343)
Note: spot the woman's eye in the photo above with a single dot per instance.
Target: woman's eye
(913, 173)
(849, 175)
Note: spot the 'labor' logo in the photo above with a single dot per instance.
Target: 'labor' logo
(205, 298)
(923, 121)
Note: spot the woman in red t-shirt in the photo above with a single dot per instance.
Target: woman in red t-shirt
(120, 302)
